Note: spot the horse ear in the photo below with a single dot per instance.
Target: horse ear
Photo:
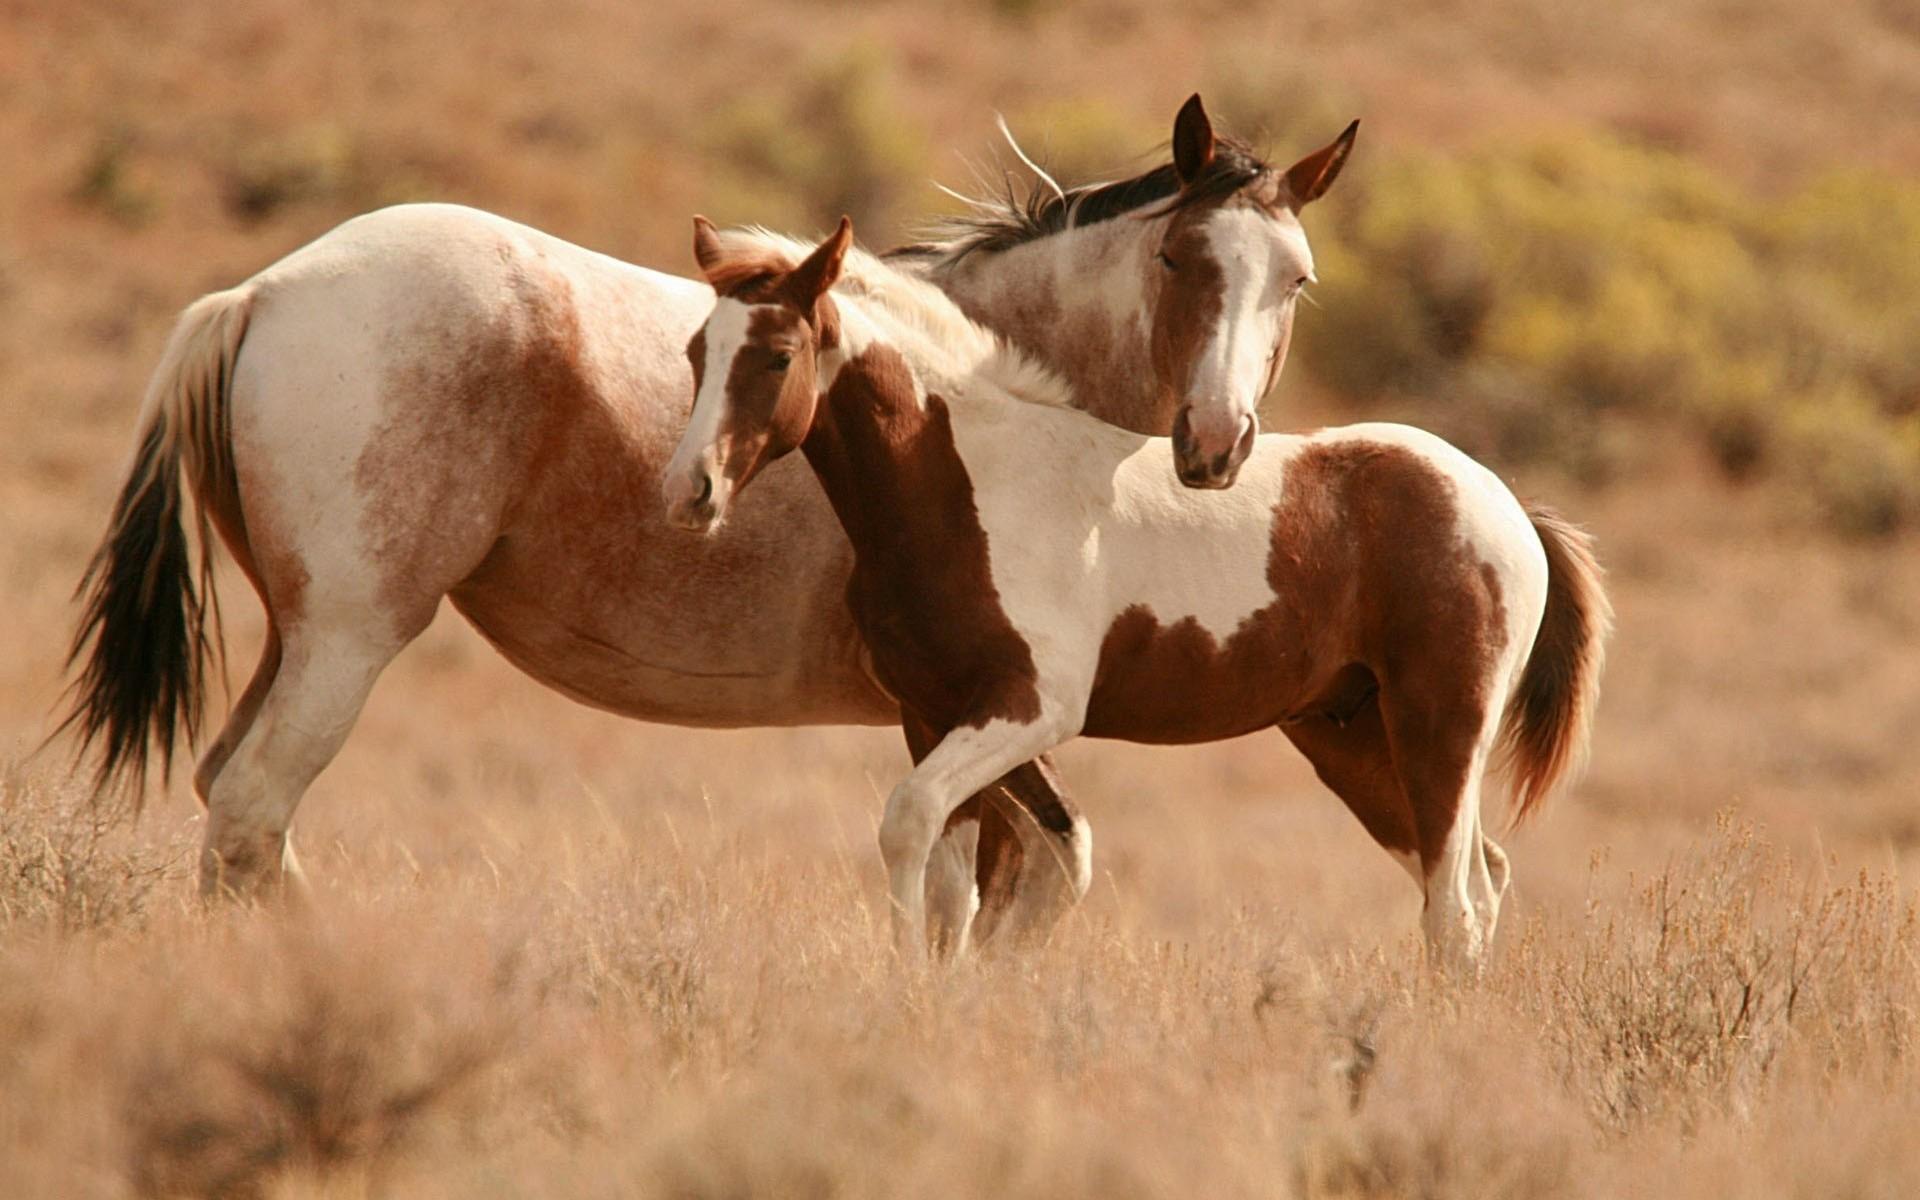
(810, 280)
(1309, 179)
(1192, 139)
(706, 246)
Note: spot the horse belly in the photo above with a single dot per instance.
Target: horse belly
(746, 627)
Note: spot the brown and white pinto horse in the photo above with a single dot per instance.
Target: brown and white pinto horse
(432, 402)
(1024, 574)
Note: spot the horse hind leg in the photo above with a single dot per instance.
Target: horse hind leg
(1442, 742)
(298, 723)
(1347, 745)
(239, 722)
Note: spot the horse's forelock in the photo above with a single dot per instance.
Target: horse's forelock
(750, 275)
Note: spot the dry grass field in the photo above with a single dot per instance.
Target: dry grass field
(557, 954)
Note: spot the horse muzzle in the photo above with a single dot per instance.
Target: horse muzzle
(692, 501)
(1209, 454)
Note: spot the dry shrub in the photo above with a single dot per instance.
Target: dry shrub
(1722, 967)
(668, 1018)
(269, 172)
(293, 1050)
(73, 865)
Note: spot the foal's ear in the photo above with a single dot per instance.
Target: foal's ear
(706, 246)
(1309, 179)
(1192, 139)
(810, 280)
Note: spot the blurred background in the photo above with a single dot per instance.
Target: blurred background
(1657, 261)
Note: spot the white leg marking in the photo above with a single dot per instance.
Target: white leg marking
(953, 897)
(1466, 885)
(304, 719)
(964, 762)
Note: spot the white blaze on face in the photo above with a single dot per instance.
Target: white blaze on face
(696, 460)
(1262, 257)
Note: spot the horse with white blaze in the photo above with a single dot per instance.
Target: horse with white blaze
(1024, 574)
(431, 403)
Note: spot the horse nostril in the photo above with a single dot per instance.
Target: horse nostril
(706, 489)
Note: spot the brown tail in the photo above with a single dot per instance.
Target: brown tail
(1549, 719)
(144, 629)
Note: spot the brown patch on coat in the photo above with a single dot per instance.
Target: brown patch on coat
(769, 407)
(467, 417)
(1187, 311)
(922, 591)
(1373, 591)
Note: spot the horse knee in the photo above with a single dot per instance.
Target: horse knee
(907, 830)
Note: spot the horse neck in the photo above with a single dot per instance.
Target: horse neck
(1075, 301)
(884, 452)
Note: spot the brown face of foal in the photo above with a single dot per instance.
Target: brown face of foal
(755, 370)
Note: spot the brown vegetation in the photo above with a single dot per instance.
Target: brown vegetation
(559, 954)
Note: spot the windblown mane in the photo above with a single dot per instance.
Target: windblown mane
(994, 224)
(921, 322)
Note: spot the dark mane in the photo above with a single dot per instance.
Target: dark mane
(1001, 224)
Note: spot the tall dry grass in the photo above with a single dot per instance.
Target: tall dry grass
(702, 1018)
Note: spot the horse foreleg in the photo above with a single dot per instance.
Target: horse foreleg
(965, 761)
(1036, 854)
(952, 899)
(1016, 856)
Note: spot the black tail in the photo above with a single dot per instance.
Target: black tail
(144, 644)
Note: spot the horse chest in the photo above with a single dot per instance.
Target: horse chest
(942, 647)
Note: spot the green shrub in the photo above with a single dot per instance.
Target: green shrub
(837, 142)
(1587, 275)
(1087, 140)
(109, 182)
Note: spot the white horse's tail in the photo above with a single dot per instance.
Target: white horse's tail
(1548, 723)
(143, 632)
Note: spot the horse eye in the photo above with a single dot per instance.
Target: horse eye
(1167, 261)
(780, 362)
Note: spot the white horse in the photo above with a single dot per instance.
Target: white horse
(433, 402)
(1024, 574)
